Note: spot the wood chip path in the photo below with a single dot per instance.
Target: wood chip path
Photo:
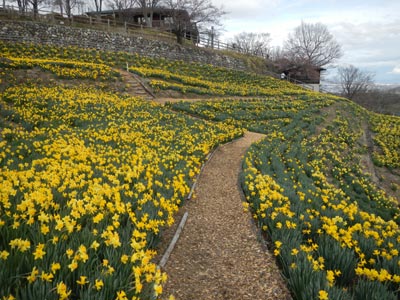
(219, 254)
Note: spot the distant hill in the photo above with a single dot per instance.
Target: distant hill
(395, 90)
(383, 98)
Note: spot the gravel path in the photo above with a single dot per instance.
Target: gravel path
(219, 254)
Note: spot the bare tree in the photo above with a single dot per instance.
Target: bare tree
(148, 7)
(353, 81)
(192, 15)
(22, 5)
(121, 4)
(65, 6)
(68, 6)
(35, 6)
(312, 44)
(253, 43)
(25, 5)
(98, 4)
(58, 4)
(276, 53)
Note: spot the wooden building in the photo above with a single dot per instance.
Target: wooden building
(305, 75)
(162, 18)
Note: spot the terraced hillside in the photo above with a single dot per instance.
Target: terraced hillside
(89, 175)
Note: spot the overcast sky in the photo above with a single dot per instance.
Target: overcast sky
(367, 30)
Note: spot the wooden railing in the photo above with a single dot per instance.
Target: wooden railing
(113, 25)
(160, 29)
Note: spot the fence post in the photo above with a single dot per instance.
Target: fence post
(212, 37)
(108, 24)
(126, 27)
(90, 20)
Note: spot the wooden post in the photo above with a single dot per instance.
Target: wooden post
(108, 24)
(212, 37)
(90, 20)
(126, 27)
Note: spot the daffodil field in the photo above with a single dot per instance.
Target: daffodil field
(209, 80)
(64, 68)
(387, 136)
(335, 234)
(87, 181)
(89, 177)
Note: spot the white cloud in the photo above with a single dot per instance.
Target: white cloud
(247, 9)
(396, 70)
(368, 30)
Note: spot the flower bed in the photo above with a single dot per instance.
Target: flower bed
(89, 178)
(87, 181)
(335, 234)
(387, 137)
(62, 68)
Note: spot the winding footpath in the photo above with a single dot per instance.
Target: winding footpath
(220, 254)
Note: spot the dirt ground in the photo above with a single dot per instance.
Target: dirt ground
(220, 254)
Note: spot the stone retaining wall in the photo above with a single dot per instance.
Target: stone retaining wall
(61, 35)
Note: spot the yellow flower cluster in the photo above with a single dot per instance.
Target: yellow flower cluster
(308, 192)
(344, 213)
(86, 183)
(52, 52)
(88, 179)
(63, 68)
(258, 115)
(177, 75)
(387, 137)
(221, 86)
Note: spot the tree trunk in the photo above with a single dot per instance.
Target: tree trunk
(148, 16)
(179, 32)
(35, 6)
(68, 9)
(151, 18)
(179, 37)
(21, 7)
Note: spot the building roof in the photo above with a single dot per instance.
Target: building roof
(183, 14)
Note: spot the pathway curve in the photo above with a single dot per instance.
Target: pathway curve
(219, 254)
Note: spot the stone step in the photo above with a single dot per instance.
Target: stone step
(135, 85)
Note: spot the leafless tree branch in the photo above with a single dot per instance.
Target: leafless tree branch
(353, 81)
(312, 44)
(253, 43)
(201, 13)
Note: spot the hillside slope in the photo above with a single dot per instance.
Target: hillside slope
(89, 175)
